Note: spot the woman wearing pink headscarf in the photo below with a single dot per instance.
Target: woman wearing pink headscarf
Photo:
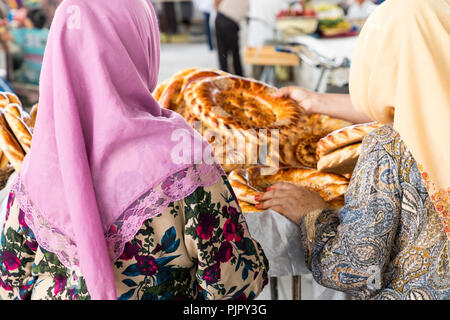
(103, 208)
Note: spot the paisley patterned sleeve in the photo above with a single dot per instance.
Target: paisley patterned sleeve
(231, 265)
(17, 253)
(349, 250)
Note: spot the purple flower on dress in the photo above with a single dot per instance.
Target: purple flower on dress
(129, 252)
(5, 286)
(232, 231)
(225, 252)
(72, 293)
(230, 212)
(158, 248)
(147, 265)
(11, 198)
(205, 226)
(33, 245)
(22, 219)
(242, 296)
(60, 284)
(10, 261)
(212, 274)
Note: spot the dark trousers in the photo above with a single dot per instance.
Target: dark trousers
(169, 21)
(207, 16)
(227, 33)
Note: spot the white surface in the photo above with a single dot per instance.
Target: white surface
(265, 10)
(280, 240)
(330, 48)
(204, 5)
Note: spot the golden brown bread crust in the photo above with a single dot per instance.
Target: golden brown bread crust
(322, 124)
(9, 144)
(18, 127)
(160, 89)
(299, 147)
(341, 161)
(172, 98)
(3, 160)
(15, 109)
(4, 100)
(248, 208)
(248, 182)
(239, 180)
(239, 107)
(13, 98)
(345, 137)
(198, 75)
(33, 115)
(230, 102)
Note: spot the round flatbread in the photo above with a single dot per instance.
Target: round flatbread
(249, 182)
(345, 137)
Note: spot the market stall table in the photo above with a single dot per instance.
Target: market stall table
(269, 58)
(280, 240)
(334, 49)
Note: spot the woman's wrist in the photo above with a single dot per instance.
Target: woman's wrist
(320, 103)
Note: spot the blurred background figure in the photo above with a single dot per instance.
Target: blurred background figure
(206, 7)
(230, 13)
(32, 39)
(262, 21)
(168, 18)
(187, 9)
(360, 9)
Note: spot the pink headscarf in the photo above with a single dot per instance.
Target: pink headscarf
(101, 141)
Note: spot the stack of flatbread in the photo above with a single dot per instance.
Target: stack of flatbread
(339, 151)
(249, 182)
(338, 154)
(314, 151)
(229, 109)
(16, 130)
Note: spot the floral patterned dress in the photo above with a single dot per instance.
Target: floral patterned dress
(198, 248)
(388, 241)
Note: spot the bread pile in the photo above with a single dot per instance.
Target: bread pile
(249, 182)
(339, 151)
(16, 129)
(312, 151)
(230, 109)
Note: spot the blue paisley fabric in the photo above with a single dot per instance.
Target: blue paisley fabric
(387, 242)
(198, 248)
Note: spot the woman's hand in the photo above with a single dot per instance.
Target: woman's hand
(292, 201)
(331, 104)
(309, 100)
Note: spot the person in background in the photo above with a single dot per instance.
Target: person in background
(206, 7)
(32, 39)
(103, 207)
(230, 13)
(49, 6)
(169, 22)
(360, 9)
(391, 239)
(186, 8)
(262, 20)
